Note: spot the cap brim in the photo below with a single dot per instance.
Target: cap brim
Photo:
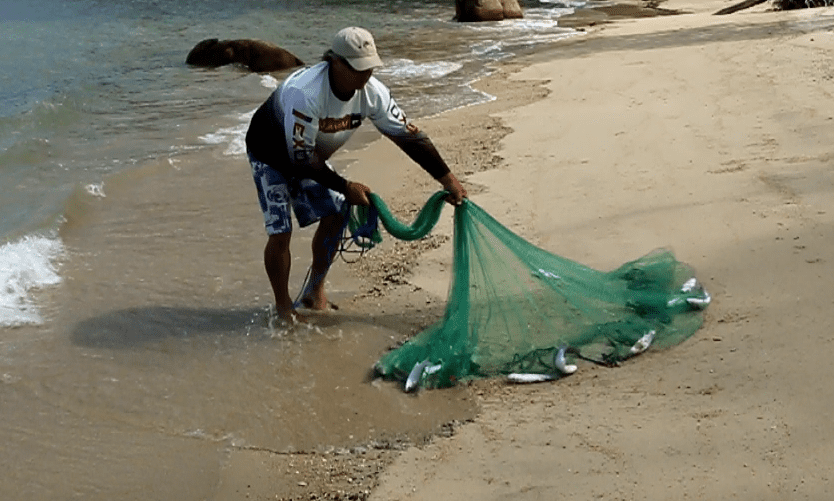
(364, 63)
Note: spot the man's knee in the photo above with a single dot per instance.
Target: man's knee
(279, 242)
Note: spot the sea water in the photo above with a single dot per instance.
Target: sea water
(136, 344)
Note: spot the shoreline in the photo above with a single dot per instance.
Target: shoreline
(605, 431)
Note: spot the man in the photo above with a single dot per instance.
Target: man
(291, 136)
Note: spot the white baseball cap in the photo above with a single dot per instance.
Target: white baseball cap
(357, 46)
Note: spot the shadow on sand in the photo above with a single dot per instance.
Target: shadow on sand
(133, 327)
(137, 326)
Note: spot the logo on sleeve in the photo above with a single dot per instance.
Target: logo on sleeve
(399, 115)
(297, 136)
(301, 152)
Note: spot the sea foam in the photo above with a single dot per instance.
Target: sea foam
(233, 137)
(26, 265)
(406, 68)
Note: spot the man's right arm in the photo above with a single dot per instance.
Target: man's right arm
(301, 129)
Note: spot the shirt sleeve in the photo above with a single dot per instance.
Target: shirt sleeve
(301, 126)
(385, 113)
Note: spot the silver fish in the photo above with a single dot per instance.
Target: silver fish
(561, 363)
(700, 302)
(643, 343)
(419, 371)
(529, 378)
(689, 285)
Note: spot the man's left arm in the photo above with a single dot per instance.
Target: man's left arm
(419, 148)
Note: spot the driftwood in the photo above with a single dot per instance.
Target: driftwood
(746, 4)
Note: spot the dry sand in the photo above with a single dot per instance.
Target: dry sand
(710, 135)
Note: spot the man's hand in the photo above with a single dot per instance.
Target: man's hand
(456, 190)
(357, 193)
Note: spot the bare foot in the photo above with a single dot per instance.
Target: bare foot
(318, 304)
(290, 316)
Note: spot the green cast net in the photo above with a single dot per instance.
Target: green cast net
(519, 311)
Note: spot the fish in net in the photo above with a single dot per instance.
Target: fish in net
(519, 311)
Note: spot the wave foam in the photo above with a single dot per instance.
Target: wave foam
(269, 81)
(25, 265)
(234, 137)
(406, 68)
(95, 189)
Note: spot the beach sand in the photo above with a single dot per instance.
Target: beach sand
(709, 135)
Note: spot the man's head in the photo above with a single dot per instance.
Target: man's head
(356, 46)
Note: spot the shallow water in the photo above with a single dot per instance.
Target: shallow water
(133, 356)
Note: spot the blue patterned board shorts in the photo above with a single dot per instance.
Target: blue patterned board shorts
(310, 201)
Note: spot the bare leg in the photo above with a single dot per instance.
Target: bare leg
(325, 242)
(277, 261)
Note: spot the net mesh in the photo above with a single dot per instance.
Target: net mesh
(515, 309)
